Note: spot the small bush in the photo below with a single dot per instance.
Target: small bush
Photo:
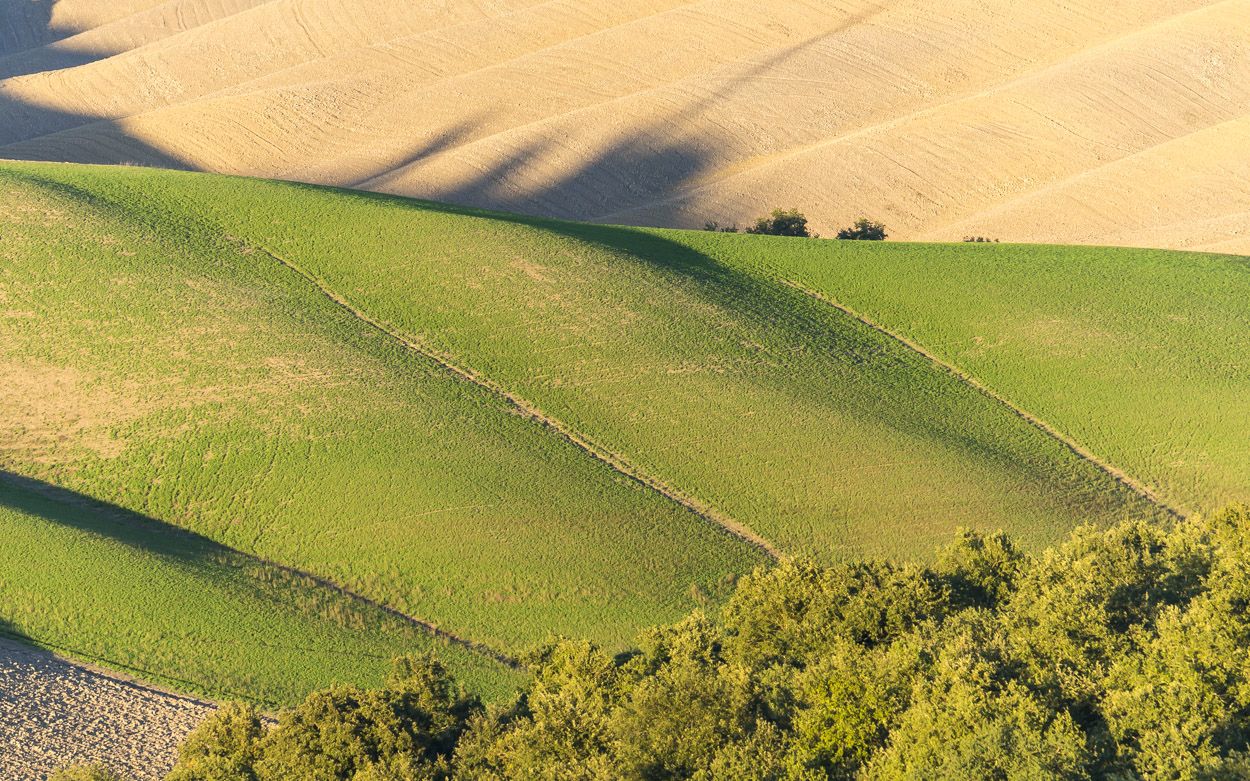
(864, 230)
(781, 223)
(716, 227)
(979, 240)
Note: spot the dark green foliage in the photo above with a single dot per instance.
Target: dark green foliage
(864, 230)
(980, 569)
(1122, 654)
(781, 223)
(223, 748)
(405, 731)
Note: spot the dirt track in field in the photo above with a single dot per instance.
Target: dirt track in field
(54, 713)
(1073, 121)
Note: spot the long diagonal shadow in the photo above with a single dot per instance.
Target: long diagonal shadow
(185, 548)
(30, 43)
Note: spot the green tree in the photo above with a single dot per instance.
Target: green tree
(223, 748)
(793, 612)
(848, 704)
(972, 717)
(980, 570)
(685, 704)
(864, 230)
(560, 727)
(781, 222)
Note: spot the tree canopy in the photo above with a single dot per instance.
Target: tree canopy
(864, 230)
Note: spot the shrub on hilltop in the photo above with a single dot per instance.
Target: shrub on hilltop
(782, 222)
(864, 230)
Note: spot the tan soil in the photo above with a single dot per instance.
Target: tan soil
(54, 712)
(1102, 121)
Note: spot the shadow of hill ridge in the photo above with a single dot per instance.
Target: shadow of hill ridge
(653, 162)
(27, 25)
(134, 530)
(656, 160)
(26, 30)
(187, 549)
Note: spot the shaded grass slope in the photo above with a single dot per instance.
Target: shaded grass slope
(93, 583)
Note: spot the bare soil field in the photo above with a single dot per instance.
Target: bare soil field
(1073, 121)
(54, 712)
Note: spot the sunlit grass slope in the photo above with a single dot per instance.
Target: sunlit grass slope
(1141, 356)
(187, 613)
(155, 363)
(675, 354)
(286, 369)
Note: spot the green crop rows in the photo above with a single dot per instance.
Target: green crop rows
(491, 422)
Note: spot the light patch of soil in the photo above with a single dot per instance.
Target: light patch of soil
(47, 406)
(55, 713)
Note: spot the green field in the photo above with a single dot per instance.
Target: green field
(1142, 356)
(190, 614)
(511, 427)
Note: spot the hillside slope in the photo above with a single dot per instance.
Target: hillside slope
(1115, 122)
(106, 587)
(510, 426)
(156, 362)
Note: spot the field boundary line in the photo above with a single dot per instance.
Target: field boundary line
(113, 671)
(1075, 447)
(521, 406)
(137, 520)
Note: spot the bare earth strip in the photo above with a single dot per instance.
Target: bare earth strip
(54, 712)
(614, 460)
(1118, 474)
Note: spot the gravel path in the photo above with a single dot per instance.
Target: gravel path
(54, 712)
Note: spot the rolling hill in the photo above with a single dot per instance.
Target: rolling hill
(508, 427)
(1121, 122)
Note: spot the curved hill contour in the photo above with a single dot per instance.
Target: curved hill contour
(1110, 122)
(324, 416)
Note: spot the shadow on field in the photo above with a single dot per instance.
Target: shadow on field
(28, 40)
(186, 549)
(655, 161)
(10, 632)
(85, 513)
(30, 44)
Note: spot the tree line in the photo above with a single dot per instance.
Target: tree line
(792, 222)
(1123, 653)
